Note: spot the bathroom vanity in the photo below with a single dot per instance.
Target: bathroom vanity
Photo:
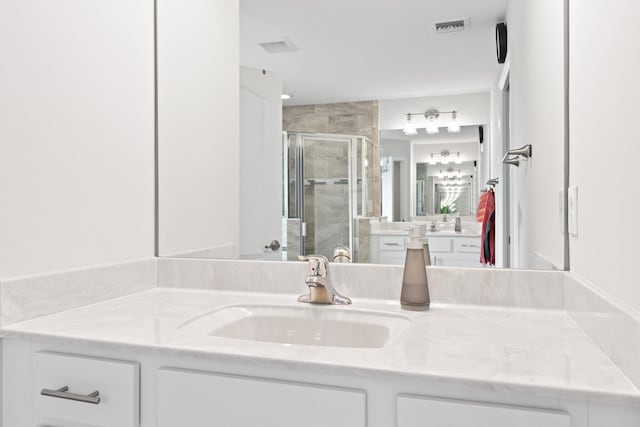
(193, 357)
(448, 248)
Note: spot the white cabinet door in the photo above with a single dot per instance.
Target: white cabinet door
(440, 244)
(190, 398)
(431, 412)
(261, 154)
(456, 260)
(393, 243)
(467, 245)
(389, 250)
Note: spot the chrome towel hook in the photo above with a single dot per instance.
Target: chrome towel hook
(512, 157)
(511, 161)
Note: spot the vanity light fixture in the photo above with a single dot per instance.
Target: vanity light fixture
(432, 126)
(444, 158)
(454, 126)
(450, 173)
(285, 96)
(458, 159)
(432, 116)
(444, 154)
(409, 128)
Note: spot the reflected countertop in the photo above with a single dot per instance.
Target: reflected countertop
(442, 233)
(532, 352)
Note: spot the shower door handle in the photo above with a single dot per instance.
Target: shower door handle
(304, 229)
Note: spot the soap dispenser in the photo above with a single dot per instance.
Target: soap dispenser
(458, 226)
(415, 287)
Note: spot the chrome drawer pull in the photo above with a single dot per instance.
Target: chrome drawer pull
(392, 244)
(63, 393)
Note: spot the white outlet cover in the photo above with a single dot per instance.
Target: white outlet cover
(573, 211)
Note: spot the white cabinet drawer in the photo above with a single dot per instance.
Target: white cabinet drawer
(392, 257)
(440, 244)
(456, 261)
(392, 243)
(117, 383)
(467, 244)
(191, 398)
(416, 411)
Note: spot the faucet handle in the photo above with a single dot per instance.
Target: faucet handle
(318, 264)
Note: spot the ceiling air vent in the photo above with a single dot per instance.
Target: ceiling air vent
(451, 26)
(279, 46)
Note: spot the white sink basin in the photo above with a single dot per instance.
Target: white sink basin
(329, 326)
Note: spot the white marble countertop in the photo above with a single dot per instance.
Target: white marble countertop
(442, 233)
(533, 352)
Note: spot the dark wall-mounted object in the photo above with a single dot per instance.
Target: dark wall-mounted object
(481, 134)
(501, 42)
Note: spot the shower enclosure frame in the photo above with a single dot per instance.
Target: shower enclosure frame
(352, 143)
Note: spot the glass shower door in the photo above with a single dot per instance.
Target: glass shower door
(325, 194)
(328, 179)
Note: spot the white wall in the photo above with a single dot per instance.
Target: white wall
(536, 34)
(76, 133)
(604, 92)
(198, 132)
(395, 148)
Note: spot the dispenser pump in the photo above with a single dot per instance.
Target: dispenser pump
(458, 226)
(421, 234)
(415, 286)
(427, 251)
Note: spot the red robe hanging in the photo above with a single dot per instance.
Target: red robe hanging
(486, 214)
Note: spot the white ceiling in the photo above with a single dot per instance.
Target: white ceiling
(372, 49)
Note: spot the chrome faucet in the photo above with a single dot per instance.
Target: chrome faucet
(321, 291)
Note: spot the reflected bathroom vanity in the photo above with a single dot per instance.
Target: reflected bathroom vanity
(448, 248)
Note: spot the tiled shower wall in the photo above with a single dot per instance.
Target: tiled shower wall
(350, 118)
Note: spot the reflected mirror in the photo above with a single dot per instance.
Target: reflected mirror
(362, 119)
(445, 190)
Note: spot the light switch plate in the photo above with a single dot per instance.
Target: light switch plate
(573, 211)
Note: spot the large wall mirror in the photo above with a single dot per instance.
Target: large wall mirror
(359, 120)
